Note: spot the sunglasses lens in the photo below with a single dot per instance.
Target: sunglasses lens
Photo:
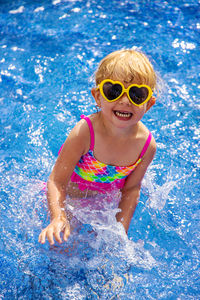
(138, 95)
(112, 91)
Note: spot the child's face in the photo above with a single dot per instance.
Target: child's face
(122, 111)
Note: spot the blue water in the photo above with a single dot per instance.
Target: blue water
(49, 53)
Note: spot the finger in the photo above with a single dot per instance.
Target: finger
(66, 233)
(50, 237)
(57, 237)
(42, 237)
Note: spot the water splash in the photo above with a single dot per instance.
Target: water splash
(159, 194)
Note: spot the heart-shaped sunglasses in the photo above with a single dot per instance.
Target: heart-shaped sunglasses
(113, 90)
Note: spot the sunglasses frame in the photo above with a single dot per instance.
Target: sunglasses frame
(124, 90)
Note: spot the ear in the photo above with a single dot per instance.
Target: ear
(96, 94)
(150, 103)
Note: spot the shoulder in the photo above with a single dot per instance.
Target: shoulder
(82, 126)
(151, 149)
(81, 135)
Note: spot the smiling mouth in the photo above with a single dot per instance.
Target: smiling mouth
(123, 115)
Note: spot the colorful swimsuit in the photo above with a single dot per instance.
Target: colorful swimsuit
(92, 174)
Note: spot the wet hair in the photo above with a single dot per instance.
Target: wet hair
(129, 66)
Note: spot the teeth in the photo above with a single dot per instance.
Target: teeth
(123, 114)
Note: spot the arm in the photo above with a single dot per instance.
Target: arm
(75, 146)
(128, 203)
(131, 189)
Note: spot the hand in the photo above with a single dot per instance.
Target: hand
(54, 229)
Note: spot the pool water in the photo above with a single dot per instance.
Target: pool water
(49, 53)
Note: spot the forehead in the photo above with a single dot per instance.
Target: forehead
(126, 74)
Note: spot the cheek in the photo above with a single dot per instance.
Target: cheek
(105, 104)
(106, 107)
(139, 112)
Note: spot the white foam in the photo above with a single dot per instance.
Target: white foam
(76, 9)
(38, 9)
(56, 2)
(17, 11)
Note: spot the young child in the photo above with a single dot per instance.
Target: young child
(110, 149)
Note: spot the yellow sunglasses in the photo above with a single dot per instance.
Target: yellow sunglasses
(113, 90)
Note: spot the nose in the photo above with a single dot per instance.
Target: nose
(124, 99)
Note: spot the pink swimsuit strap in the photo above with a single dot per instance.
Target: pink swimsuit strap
(91, 131)
(146, 145)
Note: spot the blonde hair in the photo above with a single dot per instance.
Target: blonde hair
(128, 66)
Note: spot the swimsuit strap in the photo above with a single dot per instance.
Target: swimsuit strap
(91, 131)
(146, 145)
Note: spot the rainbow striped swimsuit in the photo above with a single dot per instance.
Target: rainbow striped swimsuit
(92, 174)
